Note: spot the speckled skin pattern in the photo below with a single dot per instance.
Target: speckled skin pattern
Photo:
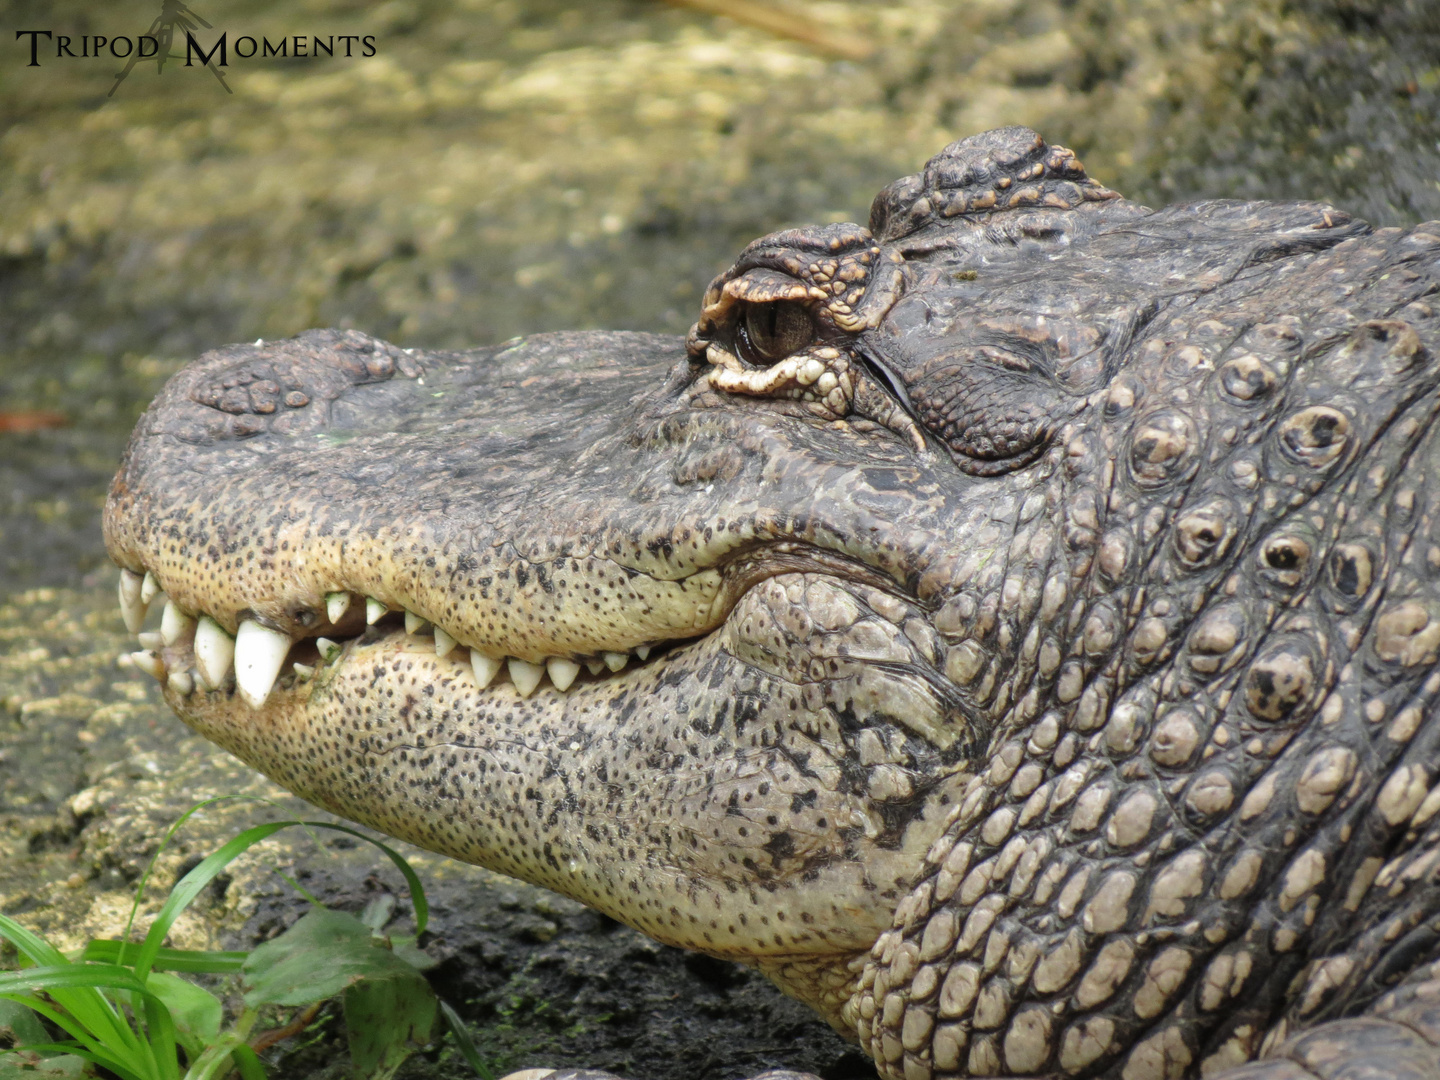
(1044, 596)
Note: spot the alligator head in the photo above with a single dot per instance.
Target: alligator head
(1010, 625)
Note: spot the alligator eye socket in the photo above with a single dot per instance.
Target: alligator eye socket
(774, 331)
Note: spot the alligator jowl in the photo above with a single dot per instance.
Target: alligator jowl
(1011, 626)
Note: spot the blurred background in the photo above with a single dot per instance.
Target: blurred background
(501, 167)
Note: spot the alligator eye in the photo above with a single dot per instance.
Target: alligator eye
(776, 330)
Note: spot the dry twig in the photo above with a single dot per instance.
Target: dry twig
(788, 23)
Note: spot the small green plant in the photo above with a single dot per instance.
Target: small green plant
(127, 1008)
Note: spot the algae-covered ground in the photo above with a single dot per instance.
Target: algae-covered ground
(502, 167)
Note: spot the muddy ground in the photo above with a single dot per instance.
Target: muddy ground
(499, 168)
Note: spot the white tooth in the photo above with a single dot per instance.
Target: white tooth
(525, 675)
(148, 588)
(329, 650)
(443, 642)
(182, 683)
(485, 668)
(374, 611)
(152, 641)
(615, 660)
(174, 623)
(130, 587)
(413, 623)
(336, 604)
(595, 666)
(131, 609)
(214, 650)
(643, 652)
(303, 672)
(259, 655)
(562, 672)
(150, 663)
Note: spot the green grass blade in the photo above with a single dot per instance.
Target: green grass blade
(248, 1063)
(161, 1037)
(93, 1049)
(216, 1060)
(90, 1008)
(35, 948)
(154, 1057)
(45, 1048)
(188, 887)
(59, 1017)
(64, 976)
(164, 842)
(417, 891)
(305, 894)
(102, 1059)
(188, 960)
(464, 1042)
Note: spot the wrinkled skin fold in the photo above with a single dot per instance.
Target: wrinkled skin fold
(1012, 626)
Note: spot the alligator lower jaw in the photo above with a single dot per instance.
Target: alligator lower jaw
(619, 793)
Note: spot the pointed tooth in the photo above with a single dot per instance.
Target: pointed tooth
(130, 583)
(562, 672)
(152, 641)
(259, 655)
(181, 683)
(595, 666)
(615, 660)
(485, 668)
(374, 610)
(214, 651)
(174, 623)
(303, 672)
(329, 650)
(336, 605)
(443, 642)
(134, 617)
(525, 675)
(413, 623)
(149, 588)
(150, 663)
(643, 652)
(131, 609)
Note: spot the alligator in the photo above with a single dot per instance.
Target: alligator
(1012, 627)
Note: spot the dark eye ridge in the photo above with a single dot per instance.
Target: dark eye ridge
(775, 331)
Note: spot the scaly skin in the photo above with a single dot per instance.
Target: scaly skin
(1044, 595)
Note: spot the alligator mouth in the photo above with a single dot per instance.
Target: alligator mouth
(193, 653)
(197, 655)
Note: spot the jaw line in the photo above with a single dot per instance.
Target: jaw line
(499, 780)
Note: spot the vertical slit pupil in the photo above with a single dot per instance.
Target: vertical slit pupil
(776, 330)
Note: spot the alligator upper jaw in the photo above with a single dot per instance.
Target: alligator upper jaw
(552, 506)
